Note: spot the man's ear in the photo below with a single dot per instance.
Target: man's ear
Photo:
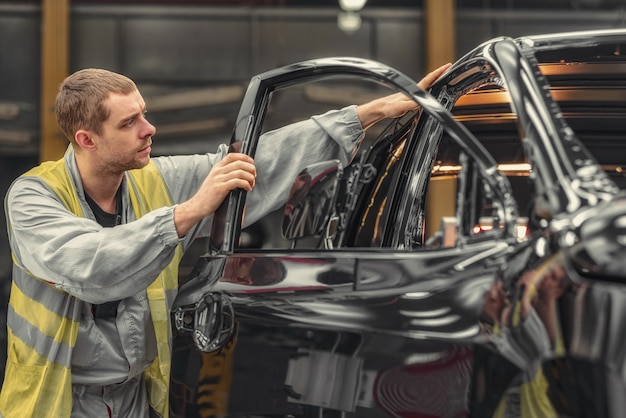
(84, 139)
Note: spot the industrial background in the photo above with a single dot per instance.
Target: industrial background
(192, 59)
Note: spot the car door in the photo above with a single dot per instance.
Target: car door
(346, 275)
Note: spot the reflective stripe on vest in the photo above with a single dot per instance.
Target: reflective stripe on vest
(46, 320)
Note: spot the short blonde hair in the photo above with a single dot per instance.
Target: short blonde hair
(80, 101)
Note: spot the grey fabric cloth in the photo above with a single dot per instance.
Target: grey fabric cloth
(128, 399)
(98, 265)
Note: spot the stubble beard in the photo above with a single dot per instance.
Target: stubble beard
(120, 165)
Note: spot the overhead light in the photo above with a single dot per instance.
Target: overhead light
(349, 22)
(352, 5)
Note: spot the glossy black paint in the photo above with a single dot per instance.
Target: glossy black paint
(380, 321)
(254, 106)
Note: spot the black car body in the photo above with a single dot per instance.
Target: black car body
(469, 263)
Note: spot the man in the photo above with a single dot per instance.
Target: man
(96, 238)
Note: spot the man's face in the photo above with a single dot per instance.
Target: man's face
(237, 270)
(126, 135)
(253, 271)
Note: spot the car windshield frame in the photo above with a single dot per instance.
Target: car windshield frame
(255, 104)
(552, 147)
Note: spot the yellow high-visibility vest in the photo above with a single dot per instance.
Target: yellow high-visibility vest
(38, 384)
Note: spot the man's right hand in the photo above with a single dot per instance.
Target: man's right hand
(397, 104)
(235, 171)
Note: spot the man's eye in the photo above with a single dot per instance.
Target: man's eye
(129, 123)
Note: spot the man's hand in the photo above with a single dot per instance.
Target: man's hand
(395, 105)
(235, 171)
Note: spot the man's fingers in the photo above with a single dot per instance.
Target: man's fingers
(239, 179)
(237, 165)
(233, 162)
(234, 172)
(432, 76)
(237, 156)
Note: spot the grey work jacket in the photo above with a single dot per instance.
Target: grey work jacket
(98, 265)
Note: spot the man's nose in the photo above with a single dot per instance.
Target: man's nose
(149, 129)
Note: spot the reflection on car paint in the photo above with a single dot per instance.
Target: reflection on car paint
(511, 304)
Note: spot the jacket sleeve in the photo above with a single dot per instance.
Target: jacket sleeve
(99, 264)
(281, 155)
(79, 256)
(284, 153)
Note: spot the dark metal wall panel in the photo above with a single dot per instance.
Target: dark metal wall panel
(400, 42)
(184, 48)
(531, 23)
(19, 78)
(287, 39)
(474, 27)
(471, 31)
(19, 57)
(95, 42)
(189, 47)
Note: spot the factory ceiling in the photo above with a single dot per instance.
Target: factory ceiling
(460, 4)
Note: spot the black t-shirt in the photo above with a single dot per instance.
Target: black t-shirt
(106, 219)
